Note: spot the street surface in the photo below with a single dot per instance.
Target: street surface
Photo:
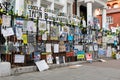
(109, 70)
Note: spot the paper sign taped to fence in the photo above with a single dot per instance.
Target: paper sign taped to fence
(56, 48)
(79, 47)
(48, 47)
(25, 40)
(19, 58)
(80, 56)
(89, 56)
(7, 32)
(69, 54)
(6, 20)
(42, 65)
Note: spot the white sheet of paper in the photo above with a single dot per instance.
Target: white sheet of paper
(109, 51)
(56, 48)
(34, 27)
(48, 28)
(113, 29)
(44, 36)
(19, 58)
(90, 48)
(104, 39)
(19, 33)
(48, 48)
(84, 23)
(30, 25)
(95, 47)
(42, 65)
(6, 20)
(7, 32)
(79, 47)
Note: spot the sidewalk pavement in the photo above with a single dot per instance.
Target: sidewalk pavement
(27, 69)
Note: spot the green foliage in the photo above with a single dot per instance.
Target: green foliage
(72, 23)
(61, 24)
(42, 32)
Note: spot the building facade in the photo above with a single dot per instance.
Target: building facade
(64, 6)
(80, 8)
(113, 12)
(87, 8)
(45, 26)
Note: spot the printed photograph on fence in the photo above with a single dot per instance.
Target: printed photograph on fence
(49, 59)
(54, 33)
(37, 56)
(77, 30)
(71, 31)
(63, 36)
(19, 33)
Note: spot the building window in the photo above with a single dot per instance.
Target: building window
(69, 9)
(115, 6)
(109, 19)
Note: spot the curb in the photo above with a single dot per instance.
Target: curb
(28, 69)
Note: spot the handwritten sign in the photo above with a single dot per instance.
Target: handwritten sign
(19, 58)
(7, 32)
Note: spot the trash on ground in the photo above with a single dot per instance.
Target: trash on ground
(102, 60)
(75, 66)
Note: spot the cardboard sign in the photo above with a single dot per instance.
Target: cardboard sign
(88, 56)
(42, 65)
